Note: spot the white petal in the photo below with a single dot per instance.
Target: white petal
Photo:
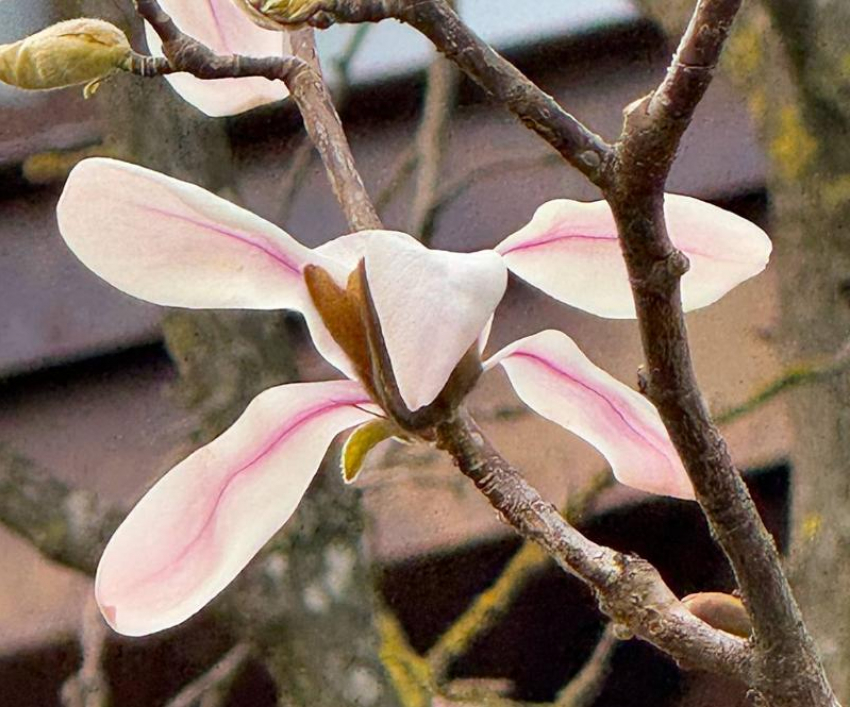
(350, 249)
(555, 379)
(196, 529)
(571, 252)
(225, 29)
(170, 242)
(432, 307)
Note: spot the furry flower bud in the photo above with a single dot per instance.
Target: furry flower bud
(279, 14)
(81, 51)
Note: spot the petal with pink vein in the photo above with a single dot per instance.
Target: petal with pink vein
(432, 307)
(173, 243)
(225, 29)
(570, 251)
(198, 527)
(555, 379)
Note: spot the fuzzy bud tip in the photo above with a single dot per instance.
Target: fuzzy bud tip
(80, 51)
(279, 15)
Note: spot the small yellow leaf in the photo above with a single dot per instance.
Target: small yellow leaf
(362, 441)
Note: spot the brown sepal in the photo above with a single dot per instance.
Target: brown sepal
(341, 312)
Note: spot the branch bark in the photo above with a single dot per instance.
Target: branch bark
(628, 588)
(305, 83)
(501, 80)
(788, 669)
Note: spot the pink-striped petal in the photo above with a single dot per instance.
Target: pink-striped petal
(555, 379)
(225, 29)
(432, 307)
(570, 251)
(198, 527)
(173, 243)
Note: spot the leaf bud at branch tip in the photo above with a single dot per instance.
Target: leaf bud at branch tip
(80, 51)
(723, 611)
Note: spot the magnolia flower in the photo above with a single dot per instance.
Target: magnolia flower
(224, 28)
(406, 325)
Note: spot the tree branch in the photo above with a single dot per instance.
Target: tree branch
(794, 376)
(305, 83)
(628, 588)
(586, 685)
(69, 526)
(433, 128)
(788, 670)
(492, 605)
(89, 687)
(500, 79)
(214, 685)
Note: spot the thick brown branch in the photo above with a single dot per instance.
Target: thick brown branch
(788, 668)
(628, 588)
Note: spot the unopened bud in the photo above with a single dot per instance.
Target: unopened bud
(81, 51)
(723, 611)
(279, 14)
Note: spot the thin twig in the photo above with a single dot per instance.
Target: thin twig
(792, 377)
(399, 174)
(586, 685)
(455, 188)
(343, 63)
(213, 687)
(89, 687)
(430, 144)
(294, 177)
